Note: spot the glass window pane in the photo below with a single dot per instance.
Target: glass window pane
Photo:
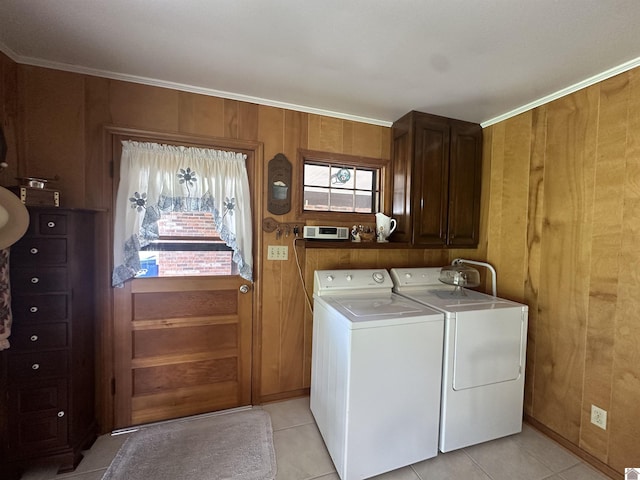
(185, 263)
(316, 198)
(341, 200)
(189, 245)
(364, 180)
(332, 186)
(342, 177)
(364, 202)
(317, 175)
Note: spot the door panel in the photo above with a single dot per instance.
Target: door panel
(186, 347)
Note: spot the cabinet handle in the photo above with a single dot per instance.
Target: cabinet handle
(35, 366)
(35, 279)
(33, 309)
(61, 413)
(51, 224)
(33, 338)
(33, 251)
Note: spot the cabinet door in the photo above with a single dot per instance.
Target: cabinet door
(430, 181)
(465, 166)
(402, 155)
(39, 419)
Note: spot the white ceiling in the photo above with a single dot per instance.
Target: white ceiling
(368, 60)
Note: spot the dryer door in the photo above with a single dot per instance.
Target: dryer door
(489, 347)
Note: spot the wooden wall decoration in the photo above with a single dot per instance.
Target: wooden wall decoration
(279, 185)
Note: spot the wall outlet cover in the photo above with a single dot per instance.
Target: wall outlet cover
(599, 417)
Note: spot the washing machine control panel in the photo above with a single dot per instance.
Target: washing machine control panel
(327, 282)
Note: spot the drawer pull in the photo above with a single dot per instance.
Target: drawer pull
(33, 309)
(33, 251)
(51, 224)
(35, 366)
(33, 338)
(61, 413)
(35, 279)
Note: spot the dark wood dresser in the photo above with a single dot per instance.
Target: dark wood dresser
(48, 372)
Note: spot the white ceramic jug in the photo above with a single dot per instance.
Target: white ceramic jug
(385, 226)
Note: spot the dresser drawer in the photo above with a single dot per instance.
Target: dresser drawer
(52, 224)
(39, 280)
(39, 308)
(39, 251)
(37, 365)
(39, 336)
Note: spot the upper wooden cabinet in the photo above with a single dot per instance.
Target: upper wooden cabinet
(436, 180)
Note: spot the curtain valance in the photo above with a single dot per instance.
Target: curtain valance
(155, 179)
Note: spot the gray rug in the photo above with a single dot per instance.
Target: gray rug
(236, 446)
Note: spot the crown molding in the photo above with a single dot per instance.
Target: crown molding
(612, 72)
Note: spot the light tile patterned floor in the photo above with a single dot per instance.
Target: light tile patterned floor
(301, 455)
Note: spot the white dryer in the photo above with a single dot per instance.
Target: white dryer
(375, 373)
(484, 358)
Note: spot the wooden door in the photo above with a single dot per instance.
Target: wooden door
(183, 346)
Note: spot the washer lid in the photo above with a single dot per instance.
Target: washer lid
(376, 306)
(377, 310)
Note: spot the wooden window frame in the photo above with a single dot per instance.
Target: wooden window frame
(338, 159)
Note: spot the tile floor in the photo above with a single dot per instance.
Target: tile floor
(301, 455)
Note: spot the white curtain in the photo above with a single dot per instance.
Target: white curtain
(155, 179)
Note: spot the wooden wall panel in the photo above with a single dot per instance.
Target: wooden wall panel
(201, 115)
(578, 158)
(53, 130)
(9, 118)
(326, 134)
(624, 416)
(271, 133)
(605, 250)
(534, 236)
(563, 295)
(142, 106)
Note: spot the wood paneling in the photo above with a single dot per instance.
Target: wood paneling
(624, 416)
(560, 222)
(562, 231)
(9, 118)
(53, 130)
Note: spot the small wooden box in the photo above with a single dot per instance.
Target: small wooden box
(37, 197)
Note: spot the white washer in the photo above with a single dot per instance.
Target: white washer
(484, 358)
(375, 373)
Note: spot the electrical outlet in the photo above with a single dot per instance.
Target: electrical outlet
(599, 417)
(278, 252)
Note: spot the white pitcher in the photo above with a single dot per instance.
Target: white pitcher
(385, 226)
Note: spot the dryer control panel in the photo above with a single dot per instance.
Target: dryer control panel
(420, 277)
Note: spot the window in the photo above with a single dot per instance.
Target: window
(188, 245)
(334, 184)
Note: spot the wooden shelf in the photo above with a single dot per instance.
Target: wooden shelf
(347, 244)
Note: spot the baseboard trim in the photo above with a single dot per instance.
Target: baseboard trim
(587, 457)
